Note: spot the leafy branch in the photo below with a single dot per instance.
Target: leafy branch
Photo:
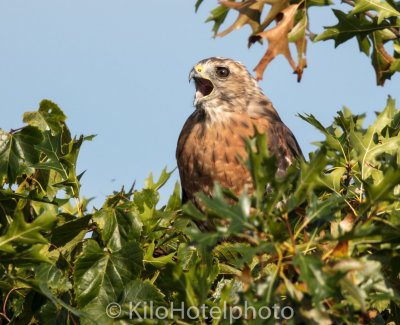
(323, 240)
(374, 23)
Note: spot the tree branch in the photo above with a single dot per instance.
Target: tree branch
(395, 31)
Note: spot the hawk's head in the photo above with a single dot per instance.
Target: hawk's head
(220, 80)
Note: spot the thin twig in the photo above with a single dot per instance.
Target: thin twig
(4, 313)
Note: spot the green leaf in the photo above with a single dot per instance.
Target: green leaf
(299, 30)
(18, 153)
(364, 44)
(320, 284)
(349, 26)
(70, 232)
(310, 176)
(118, 226)
(174, 202)
(21, 233)
(262, 166)
(290, 251)
(48, 117)
(187, 256)
(42, 288)
(237, 214)
(191, 210)
(384, 190)
(143, 291)
(197, 5)
(53, 277)
(332, 139)
(145, 199)
(149, 183)
(395, 66)
(51, 314)
(383, 8)
(371, 144)
(235, 254)
(25, 256)
(218, 15)
(100, 274)
(158, 262)
(320, 211)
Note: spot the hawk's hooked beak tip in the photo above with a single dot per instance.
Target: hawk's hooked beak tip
(192, 74)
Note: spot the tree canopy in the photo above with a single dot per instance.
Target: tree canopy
(375, 24)
(320, 247)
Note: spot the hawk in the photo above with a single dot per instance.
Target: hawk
(228, 104)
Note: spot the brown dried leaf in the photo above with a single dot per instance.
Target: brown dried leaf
(301, 46)
(276, 7)
(246, 278)
(249, 13)
(381, 59)
(341, 249)
(278, 40)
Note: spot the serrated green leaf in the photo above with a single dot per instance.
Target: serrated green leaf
(149, 183)
(237, 214)
(187, 256)
(383, 8)
(235, 254)
(384, 190)
(370, 144)
(312, 274)
(70, 232)
(18, 153)
(53, 277)
(158, 262)
(59, 162)
(349, 26)
(143, 291)
(25, 256)
(218, 15)
(48, 117)
(310, 176)
(118, 226)
(100, 274)
(21, 233)
(42, 288)
(174, 201)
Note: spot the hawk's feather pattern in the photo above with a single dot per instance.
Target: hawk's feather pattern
(213, 137)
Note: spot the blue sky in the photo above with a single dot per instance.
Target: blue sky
(119, 69)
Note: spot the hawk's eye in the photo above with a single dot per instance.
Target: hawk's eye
(222, 72)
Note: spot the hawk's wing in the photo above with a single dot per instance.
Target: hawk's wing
(281, 141)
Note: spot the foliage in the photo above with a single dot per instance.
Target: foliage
(374, 23)
(323, 240)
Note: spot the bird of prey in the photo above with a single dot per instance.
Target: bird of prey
(228, 105)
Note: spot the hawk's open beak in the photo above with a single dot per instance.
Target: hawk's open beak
(204, 86)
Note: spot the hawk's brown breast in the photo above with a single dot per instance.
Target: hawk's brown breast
(228, 105)
(209, 153)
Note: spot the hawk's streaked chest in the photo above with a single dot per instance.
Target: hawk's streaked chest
(213, 152)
